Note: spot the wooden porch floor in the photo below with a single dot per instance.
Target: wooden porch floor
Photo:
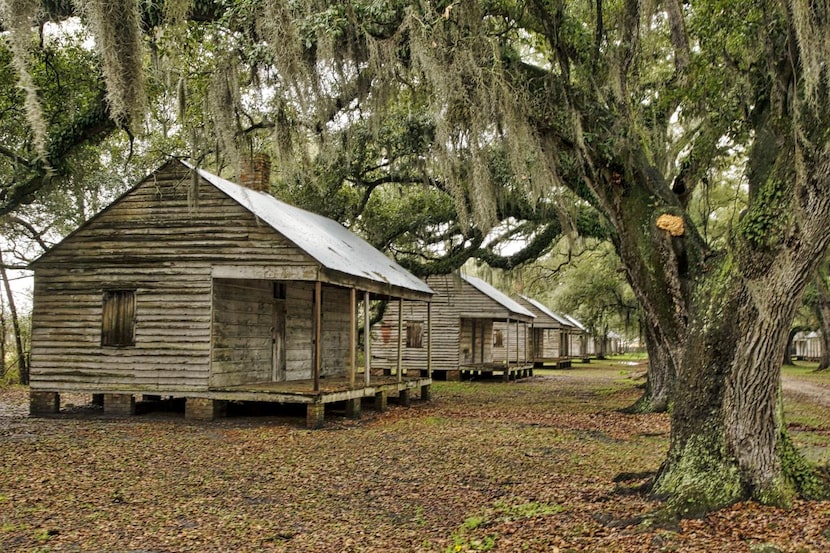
(332, 388)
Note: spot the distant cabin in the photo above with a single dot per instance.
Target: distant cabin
(614, 344)
(807, 346)
(579, 338)
(191, 286)
(549, 336)
(476, 331)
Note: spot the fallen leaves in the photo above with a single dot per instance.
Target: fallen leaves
(525, 466)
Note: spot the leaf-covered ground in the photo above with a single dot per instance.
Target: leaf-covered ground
(532, 465)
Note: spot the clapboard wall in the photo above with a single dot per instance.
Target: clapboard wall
(457, 307)
(546, 342)
(514, 341)
(164, 239)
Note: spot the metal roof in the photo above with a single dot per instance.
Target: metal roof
(498, 296)
(576, 323)
(544, 309)
(331, 244)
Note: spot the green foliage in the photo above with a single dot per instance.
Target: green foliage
(805, 477)
(588, 285)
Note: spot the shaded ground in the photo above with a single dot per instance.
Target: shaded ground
(525, 466)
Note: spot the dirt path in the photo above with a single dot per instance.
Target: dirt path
(806, 389)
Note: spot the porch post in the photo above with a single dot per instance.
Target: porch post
(429, 339)
(352, 336)
(367, 337)
(518, 348)
(318, 316)
(400, 340)
(507, 353)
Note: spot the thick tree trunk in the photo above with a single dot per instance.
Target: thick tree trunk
(823, 313)
(659, 379)
(728, 437)
(788, 349)
(729, 440)
(721, 322)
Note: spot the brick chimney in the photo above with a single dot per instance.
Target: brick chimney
(255, 172)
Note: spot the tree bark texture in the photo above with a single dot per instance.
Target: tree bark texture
(659, 379)
(823, 315)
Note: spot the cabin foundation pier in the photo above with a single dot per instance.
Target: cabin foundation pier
(353, 407)
(404, 398)
(204, 409)
(119, 404)
(380, 401)
(44, 403)
(314, 415)
(426, 393)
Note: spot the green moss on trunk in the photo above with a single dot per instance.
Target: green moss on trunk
(701, 479)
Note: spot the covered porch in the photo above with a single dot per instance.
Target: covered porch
(296, 342)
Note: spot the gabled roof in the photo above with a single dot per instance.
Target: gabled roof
(328, 242)
(544, 309)
(576, 323)
(333, 246)
(497, 296)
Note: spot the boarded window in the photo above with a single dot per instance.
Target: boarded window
(414, 334)
(118, 322)
(498, 339)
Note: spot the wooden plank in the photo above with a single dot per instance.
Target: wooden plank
(318, 324)
(352, 336)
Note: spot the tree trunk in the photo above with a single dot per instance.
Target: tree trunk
(601, 343)
(788, 349)
(721, 321)
(2, 340)
(729, 439)
(659, 379)
(823, 313)
(22, 360)
(728, 436)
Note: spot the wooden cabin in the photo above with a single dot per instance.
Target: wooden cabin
(549, 333)
(463, 318)
(191, 286)
(807, 346)
(578, 340)
(613, 343)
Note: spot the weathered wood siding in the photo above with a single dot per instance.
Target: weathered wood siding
(576, 344)
(335, 330)
(164, 240)
(243, 319)
(546, 342)
(384, 335)
(517, 334)
(172, 329)
(457, 307)
(476, 341)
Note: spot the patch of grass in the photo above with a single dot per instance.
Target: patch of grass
(463, 541)
(465, 538)
(434, 421)
(526, 510)
(815, 447)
